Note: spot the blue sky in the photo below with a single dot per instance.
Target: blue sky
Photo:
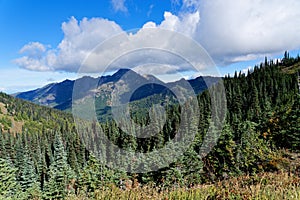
(36, 36)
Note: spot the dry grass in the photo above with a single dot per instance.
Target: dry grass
(292, 69)
(16, 126)
(281, 185)
(3, 110)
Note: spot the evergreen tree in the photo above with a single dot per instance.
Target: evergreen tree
(9, 187)
(91, 178)
(3, 153)
(251, 148)
(60, 173)
(28, 178)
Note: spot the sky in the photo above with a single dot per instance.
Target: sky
(53, 40)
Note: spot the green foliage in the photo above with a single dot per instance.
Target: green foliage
(91, 178)
(27, 177)
(8, 182)
(283, 128)
(60, 173)
(5, 122)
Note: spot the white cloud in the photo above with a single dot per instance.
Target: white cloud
(148, 47)
(126, 50)
(119, 5)
(186, 24)
(32, 63)
(79, 39)
(33, 48)
(231, 31)
(34, 57)
(230, 28)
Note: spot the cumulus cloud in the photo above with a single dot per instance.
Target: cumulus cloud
(93, 44)
(33, 63)
(33, 48)
(186, 24)
(148, 47)
(231, 31)
(34, 57)
(79, 40)
(119, 5)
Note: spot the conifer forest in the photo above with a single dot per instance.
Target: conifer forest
(43, 155)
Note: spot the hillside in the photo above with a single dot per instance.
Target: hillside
(9, 123)
(51, 158)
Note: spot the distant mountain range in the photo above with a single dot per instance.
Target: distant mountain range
(60, 95)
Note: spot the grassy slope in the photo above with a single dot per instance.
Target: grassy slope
(281, 185)
(292, 69)
(14, 125)
(17, 114)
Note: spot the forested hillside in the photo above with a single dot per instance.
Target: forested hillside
(47, 159)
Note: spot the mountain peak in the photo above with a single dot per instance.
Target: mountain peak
(120, 73)
(123, 70)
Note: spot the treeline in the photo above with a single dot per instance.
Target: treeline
(51, 160)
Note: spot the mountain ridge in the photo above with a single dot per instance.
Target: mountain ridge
(59, 95)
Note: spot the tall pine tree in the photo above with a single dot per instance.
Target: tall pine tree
(60, 173)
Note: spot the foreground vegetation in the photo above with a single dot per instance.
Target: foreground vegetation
(263, 186)
(49, 158)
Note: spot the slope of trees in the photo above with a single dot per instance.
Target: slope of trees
(49, 159)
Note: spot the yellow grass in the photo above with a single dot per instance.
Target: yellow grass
(16, 126)
(281, 185)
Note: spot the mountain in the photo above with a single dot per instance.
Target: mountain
(50, 95)
(60, 95)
